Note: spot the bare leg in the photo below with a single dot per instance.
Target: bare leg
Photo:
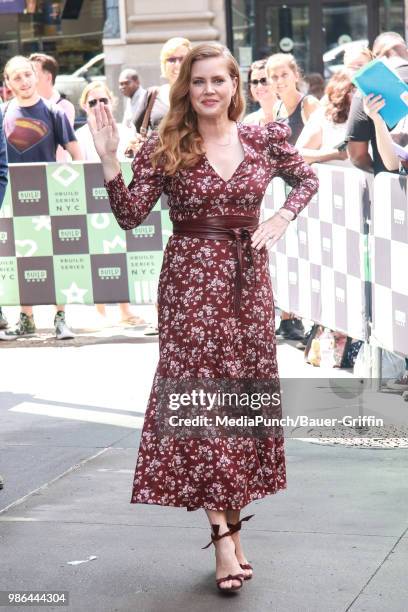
(225, 559)
(101, 309)
(233, 517)
(126, 313)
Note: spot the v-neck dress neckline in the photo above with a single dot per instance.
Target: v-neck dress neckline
(214, 171)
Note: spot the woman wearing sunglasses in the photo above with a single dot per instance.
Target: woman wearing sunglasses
(94, 94)
(171, 57)
(260, 89)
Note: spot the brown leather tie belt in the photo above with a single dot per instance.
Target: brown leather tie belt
(228, 227)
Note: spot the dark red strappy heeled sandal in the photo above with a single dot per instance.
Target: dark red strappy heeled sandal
(234, 527)
(215, 536)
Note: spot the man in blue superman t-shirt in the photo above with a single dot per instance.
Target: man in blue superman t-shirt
(33, 129)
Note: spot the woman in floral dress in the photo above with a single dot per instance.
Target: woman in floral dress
(216, 318)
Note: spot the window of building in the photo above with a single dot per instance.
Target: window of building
(69, 30)
(391, 16)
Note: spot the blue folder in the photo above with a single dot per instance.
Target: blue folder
(376, 78)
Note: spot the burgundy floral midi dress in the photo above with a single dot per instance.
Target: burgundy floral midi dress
(200, 336)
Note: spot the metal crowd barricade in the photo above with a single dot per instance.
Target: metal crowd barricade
(389, 263)
(319, 269)
(59, 243)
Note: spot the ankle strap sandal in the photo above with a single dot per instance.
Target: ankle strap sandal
(239, 577)
(234, 527)
(215, 536)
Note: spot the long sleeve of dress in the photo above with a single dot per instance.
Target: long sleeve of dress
(132, 204)
(292, 168)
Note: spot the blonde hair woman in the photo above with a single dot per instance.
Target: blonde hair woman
(356, 57)
(94, 94)
(172, 55)
(215, 297)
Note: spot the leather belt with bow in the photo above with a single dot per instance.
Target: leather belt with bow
(228, 227)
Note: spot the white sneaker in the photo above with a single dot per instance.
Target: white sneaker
(62, 331)
(8, 335)
(151, 330)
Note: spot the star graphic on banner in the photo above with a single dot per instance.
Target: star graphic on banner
(74, 294)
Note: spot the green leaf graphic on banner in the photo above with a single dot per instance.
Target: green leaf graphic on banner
(9, 288)
(73, 279)
(104, 234)
(143, 272)
(66, 189)
(33, 236)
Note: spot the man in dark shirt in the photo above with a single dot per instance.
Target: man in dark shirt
(34, 128)
(3, 186)
(3, 162)
(360, 128)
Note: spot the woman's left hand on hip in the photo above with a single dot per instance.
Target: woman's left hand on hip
(269, 232)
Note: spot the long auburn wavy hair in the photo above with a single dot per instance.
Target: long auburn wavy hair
(339, 93)
(180, 143)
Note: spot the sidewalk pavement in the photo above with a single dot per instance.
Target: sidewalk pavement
(335, 540)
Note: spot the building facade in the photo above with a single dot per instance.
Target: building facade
(251, 28)
(309, 29)
(144, 25)
(70, 30)
(131, 32)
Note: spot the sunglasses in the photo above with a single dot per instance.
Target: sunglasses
(92, 103)
(174, 59)
(256, 82)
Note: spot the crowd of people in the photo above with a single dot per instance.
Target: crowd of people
(328, 123)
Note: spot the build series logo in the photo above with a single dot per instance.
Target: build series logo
(30, 196)
(143, 231)
(111, 273)
(35, 276)
(99, 193)
(3, 237)
(69, 235)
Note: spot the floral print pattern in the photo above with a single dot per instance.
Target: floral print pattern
(199, 335)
